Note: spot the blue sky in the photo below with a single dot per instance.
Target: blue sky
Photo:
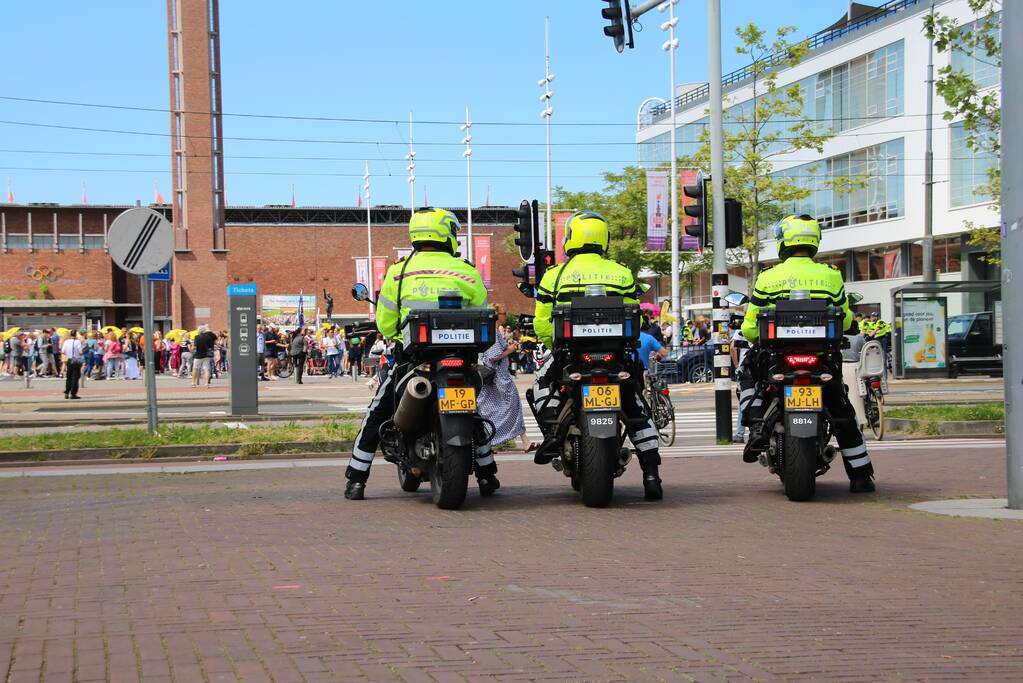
(348, 59)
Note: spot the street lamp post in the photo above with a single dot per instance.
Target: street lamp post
(369, 240)
(547, 112)
(670, 46)
(411, 168)
(467, 128)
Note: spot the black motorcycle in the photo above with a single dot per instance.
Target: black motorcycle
(594, 343)
(798, 357)
(436, 429)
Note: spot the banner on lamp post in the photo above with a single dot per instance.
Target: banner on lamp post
(687, 176)
(362, 271)
(379, 270)
(657, 204)
(481, 252)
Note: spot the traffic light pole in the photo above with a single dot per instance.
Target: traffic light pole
(1012, 249)
(719, 276)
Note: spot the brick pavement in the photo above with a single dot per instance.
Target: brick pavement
(271, 576)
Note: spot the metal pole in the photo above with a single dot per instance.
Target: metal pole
(928, 241)
(719, 277)
(467, 128)
(147, 330)
(1012, 248)
(411, 168)
(369, 243)
(671, 45)
(547, 113)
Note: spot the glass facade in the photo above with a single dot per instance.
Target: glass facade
(68, 241)
(94, 241)
(979, 66)
(42, 241)
(850, 189)
(968, 169)
(657, 150)
(858, 92)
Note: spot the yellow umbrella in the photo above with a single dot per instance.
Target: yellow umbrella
(62, 332)
(174, 334)
(138, 330)
(194, 333)
(110, 328)
(11, 331)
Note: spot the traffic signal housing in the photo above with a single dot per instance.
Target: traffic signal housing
(697, 209)
(524, 231)
(619, 14)
(733, 223)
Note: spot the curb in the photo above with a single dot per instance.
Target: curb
(176, 452)
(140, 421)
(988, 428)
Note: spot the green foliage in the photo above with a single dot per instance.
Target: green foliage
(950, 413)
(979, 110)
(622, 202)
(772, 123)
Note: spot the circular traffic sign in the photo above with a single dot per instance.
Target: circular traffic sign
(141, 241)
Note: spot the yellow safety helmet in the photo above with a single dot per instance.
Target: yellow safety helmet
(586, 231)
(795, 232)
(434, 226)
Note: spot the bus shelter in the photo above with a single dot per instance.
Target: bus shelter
(921, 314)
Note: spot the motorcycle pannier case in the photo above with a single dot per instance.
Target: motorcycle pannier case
(455, 328)
(596, 321)
(809, 320)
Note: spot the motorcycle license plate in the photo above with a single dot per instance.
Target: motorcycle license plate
(456, 399)
(803, 398)
(602, 397)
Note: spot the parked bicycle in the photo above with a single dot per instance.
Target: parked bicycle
(661, 408)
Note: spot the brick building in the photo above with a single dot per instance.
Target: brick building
(55, 269)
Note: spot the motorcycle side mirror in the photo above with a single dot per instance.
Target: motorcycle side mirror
(360, 292)
(736, 298)
(644, 287)
(854, 298)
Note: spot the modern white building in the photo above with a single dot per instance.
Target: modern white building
(865, 78)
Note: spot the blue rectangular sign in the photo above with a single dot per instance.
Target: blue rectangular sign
(247, 289)
(162, 275)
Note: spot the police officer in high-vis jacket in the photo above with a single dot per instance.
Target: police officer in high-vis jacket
(417, 282)
(586, 242)
(798, 240)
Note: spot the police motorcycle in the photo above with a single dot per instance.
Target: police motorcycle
(436, 428)
(797, 357)
(595, 339)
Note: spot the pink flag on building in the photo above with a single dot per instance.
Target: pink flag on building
(293, 196)
(157, 197)
(10, 192)
(85, 200)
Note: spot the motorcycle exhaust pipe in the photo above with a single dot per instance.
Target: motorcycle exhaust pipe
(412, 404)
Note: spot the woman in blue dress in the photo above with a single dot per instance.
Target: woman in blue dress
(499, 401)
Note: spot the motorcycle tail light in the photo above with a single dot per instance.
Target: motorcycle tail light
(598, 357)
(664, 391)
(575, 377)
(599, 380)
(567, 329)
(623, 375)
(422, 334)
(802, 360)
(876, 384)
(801, 381)
(452, 363)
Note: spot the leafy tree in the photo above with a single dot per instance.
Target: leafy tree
(772, 122)
(980, 109)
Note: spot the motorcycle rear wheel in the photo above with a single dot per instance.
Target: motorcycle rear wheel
(800, 468)
(449, 481)
(598, 460)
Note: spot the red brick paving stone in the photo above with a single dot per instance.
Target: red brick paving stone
(724, 580)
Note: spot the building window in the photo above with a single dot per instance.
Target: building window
(981, 67)
(858, 92)
(40, 242)
(946, 256)
(68, 241)
(657, 150)
(968, 168)
(94, 241)
(836, 261)
(17, 241)
(874, 174)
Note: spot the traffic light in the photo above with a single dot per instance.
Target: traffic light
(620, 28)
(697, 208)
(733, 223)
(524, 228)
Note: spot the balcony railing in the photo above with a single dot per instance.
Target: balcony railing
(814, 42)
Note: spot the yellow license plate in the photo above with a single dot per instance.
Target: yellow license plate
(457, 399)
(803, 398)
(602, 397)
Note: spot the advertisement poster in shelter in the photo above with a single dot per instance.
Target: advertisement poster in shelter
(923, 334)
(657, 208)
(560, 218)
(282, 309)
(481, 254)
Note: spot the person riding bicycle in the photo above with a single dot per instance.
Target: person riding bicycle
(587, 238)
(798, 238)
(417, 281)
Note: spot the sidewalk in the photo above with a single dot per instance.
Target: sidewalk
(269, 575)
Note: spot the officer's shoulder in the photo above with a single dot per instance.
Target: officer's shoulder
(468, 262)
